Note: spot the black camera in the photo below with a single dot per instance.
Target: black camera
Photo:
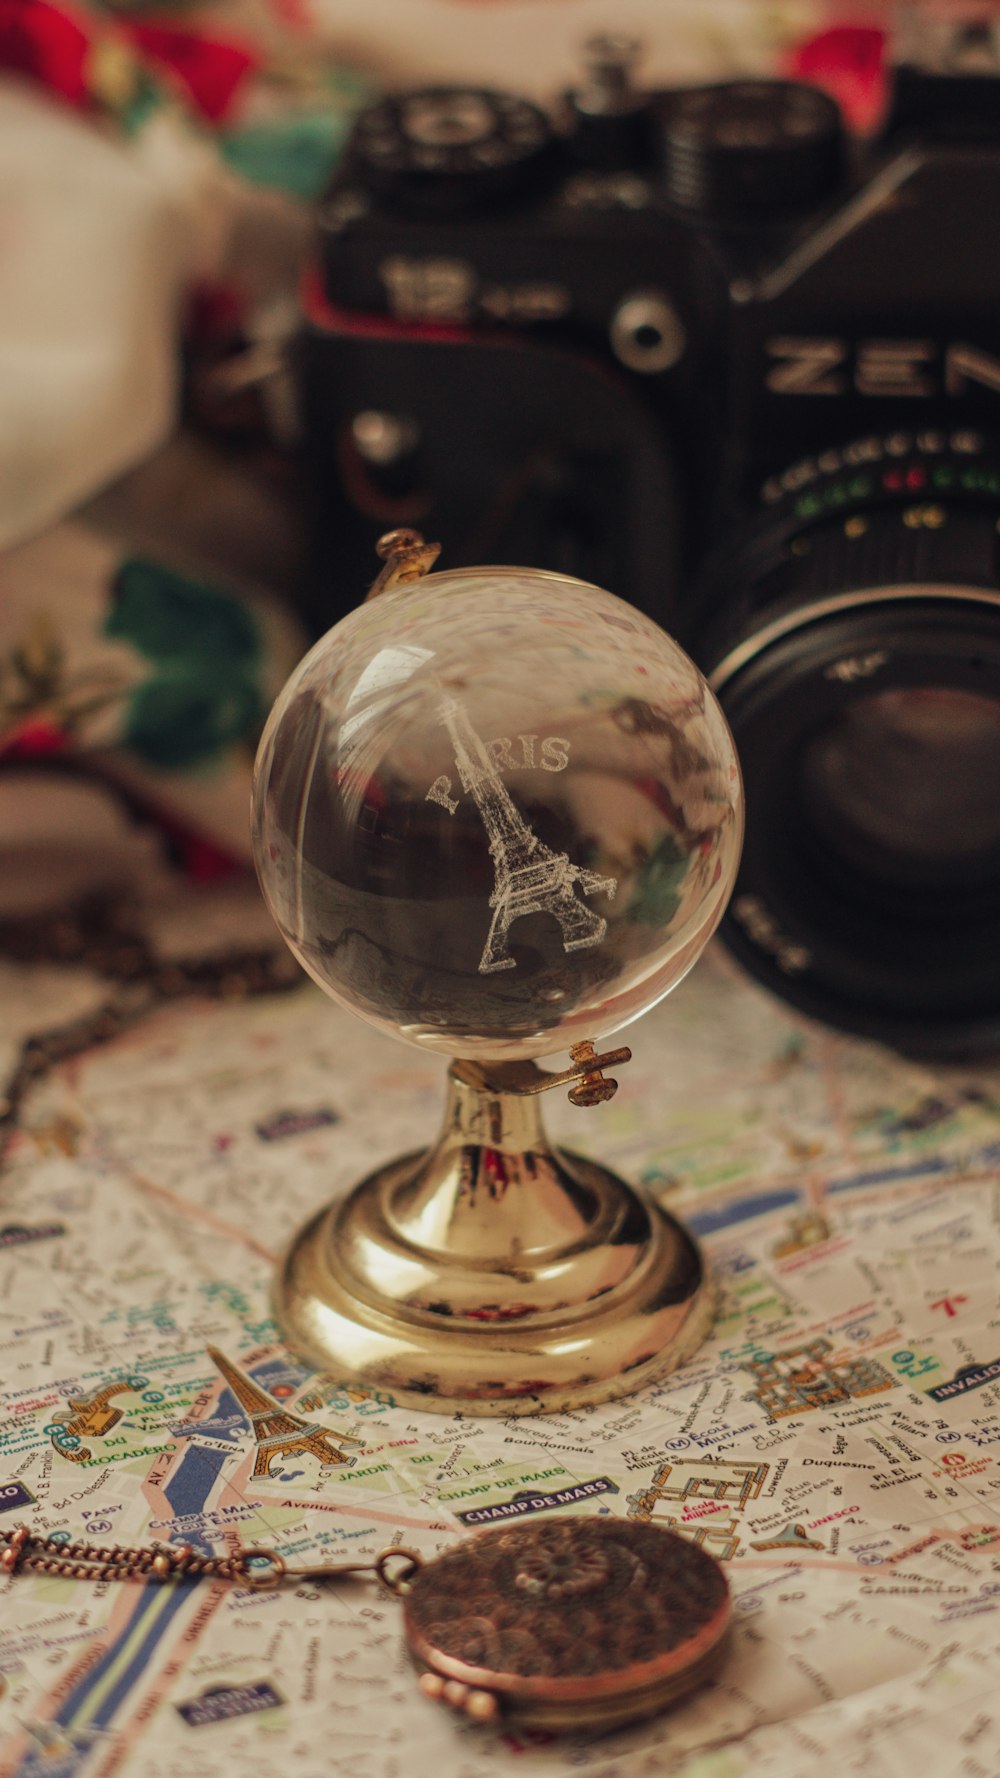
(696, 346)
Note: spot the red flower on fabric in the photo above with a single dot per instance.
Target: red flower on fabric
(62, 49)
(200, 859)
(34, 738)
(47, 44)
(210, 71)
(849, 63)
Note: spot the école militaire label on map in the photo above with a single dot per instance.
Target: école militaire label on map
(220, 1702)
(530, 1502)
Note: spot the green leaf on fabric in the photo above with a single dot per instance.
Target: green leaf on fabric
(170, 617)
(297, 151)
(297, 154)
(203, 692)
(179, 721)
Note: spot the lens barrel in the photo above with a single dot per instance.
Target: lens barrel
(856, 652)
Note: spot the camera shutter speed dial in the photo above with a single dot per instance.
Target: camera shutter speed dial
(450, 148)
(751, 148)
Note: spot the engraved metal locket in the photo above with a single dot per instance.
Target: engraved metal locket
(577, 1624)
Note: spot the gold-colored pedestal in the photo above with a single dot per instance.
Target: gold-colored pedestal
(493, 1274)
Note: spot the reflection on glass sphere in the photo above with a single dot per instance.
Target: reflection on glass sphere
(497, 811)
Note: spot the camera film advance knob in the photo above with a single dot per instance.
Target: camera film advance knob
(608, 116)
(751, 148)
(450, 148)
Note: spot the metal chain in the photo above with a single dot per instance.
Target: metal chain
(94, 1561)
(260, 1569)
(104, 937)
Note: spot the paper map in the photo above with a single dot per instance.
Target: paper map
(835, 1442)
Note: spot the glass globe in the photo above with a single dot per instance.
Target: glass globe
(497, 811)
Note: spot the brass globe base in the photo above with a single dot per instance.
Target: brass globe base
(493, 1274)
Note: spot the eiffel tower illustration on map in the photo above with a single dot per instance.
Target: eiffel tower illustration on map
(530, 879)
(276, 1431)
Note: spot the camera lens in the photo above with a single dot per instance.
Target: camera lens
(857, 659)
(907, 783)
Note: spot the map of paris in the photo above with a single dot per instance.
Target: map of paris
(834, 1442)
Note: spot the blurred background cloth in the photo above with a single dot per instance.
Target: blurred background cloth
(155, 175)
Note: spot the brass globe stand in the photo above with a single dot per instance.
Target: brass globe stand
(493, 1273)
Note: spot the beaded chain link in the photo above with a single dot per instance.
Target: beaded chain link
(95, 1561)
(260, 1569)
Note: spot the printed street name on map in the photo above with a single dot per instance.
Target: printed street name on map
(536, 1503)
(220, 1702)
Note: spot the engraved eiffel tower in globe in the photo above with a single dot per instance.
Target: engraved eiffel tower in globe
(493, 1273)
(530, 879)
(277, 1432)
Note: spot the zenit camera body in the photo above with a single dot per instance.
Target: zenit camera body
(697, 347)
